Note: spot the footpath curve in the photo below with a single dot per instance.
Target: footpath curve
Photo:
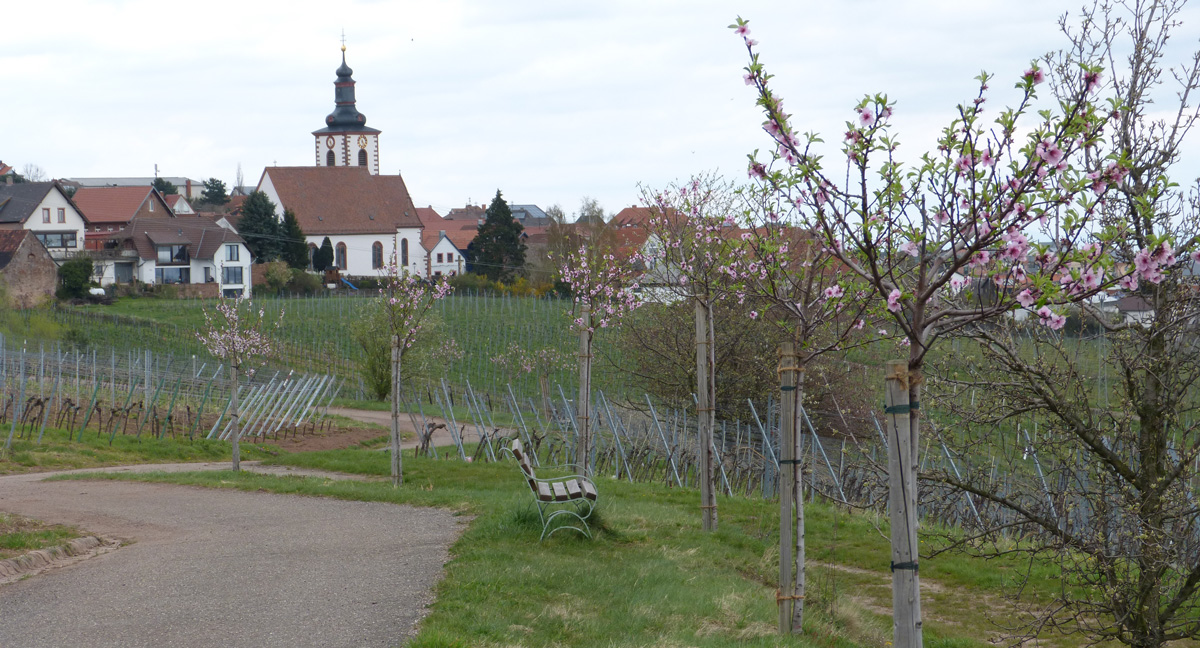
(207, 567)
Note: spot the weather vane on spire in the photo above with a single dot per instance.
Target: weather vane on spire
(343, 40)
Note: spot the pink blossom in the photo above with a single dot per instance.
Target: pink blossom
(859, 324)
(1025, 298)
(1129, 282)
(1049, 152)
(987, 159)
(833, 292)
(963, 165)
(753, 314)
(742, 29)
(1035, 74)
(981, 258)
(866, 117)
(1092, 278)
(1195, 256)
(748, 78)
(1092, 79)
(910, 248)
(1050, 318)
(893, 300)
(941, 218)
(957, 282)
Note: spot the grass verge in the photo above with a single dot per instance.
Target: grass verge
(650, 577)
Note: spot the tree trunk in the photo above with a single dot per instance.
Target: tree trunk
(902, 504)
(236, 434)
(704, 418)
(583, 448)
(791, 495)
(397, 468)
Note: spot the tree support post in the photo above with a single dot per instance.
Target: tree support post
(902, 508)
(583, 448)
(704, 419)
(397, 468)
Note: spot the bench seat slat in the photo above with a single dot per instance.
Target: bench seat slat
(560, 492)
(544, 493)
(573, 490)
(589, 489)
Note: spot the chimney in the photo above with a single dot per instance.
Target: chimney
(441, 234)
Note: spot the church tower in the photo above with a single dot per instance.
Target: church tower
(346, 140)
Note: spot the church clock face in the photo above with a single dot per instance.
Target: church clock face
(362, 141)
(329, 141)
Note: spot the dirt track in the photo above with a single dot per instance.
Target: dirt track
(224, 568)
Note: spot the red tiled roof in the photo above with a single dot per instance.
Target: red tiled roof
(343, 200)
(110, 204)
(172, 199)
(433, 223)
(469, 213)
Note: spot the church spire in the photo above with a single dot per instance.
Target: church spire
(345, 115)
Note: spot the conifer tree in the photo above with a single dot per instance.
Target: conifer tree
(295, 249)
(497, 251)
(263, 233)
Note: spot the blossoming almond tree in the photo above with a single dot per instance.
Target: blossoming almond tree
(405, 300)
(603, 287)
(970, 212)
(822, 308)
(694, 229)
(539, 361)
(1116, 513)
(240, 336)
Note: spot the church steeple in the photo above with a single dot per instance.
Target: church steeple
(346, 114)
(346, 139)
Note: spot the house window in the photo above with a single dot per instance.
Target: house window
(172, 255)
(377, 255)
(339, 256)
(151, 204)
(403, 253)
(362, 157)
(232, 293)
(208, 275)
(172, 275)
(439, 258)
(231, 275)
(62, 214)
(329, 159)
(56, 239)
(45, 214)
(231, 253)
(449, 257)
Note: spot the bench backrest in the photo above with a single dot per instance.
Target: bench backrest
(518, 452)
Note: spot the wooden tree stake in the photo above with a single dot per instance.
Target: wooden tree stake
(902, 509)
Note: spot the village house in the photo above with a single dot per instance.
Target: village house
(110, 209)
(44, 209)
(442, 256)
(194, 253)
(27, 271)
(190, 189)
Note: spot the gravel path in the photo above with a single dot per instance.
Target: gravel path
(224, 568)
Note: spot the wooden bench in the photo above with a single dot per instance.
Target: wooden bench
(572, 496)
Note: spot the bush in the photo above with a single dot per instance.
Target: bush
(74, 277)
(304, 283)
(277, 275)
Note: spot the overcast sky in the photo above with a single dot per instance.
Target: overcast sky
(546, 101)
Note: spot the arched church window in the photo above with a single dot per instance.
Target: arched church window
(362, 157)
(404, 253)
(329, 159)
(340, 256)
(377, 255)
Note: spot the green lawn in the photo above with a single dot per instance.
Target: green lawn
(651, 577)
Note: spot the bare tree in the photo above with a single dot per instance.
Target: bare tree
(33, 173)
(1098, 476)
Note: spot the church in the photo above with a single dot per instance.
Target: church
(367, 216)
